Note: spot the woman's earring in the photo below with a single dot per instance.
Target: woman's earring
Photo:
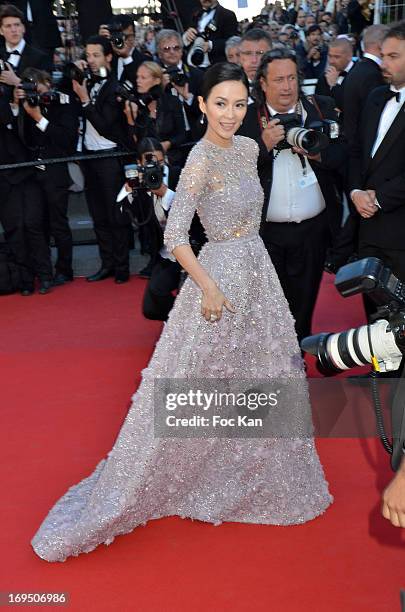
(202, 119)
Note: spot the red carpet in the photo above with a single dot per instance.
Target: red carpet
(69, 362)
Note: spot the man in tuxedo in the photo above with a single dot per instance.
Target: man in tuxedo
(16, 52)
(126, 60)
(300, 207)
(104, 130)
(221, 24)
(340, 63)
(377, 162)
(169, 45)
(365, 77)
(50, 130)
(19, 228)
(42, 26)
(254, 44)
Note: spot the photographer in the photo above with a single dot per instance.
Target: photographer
(158, 114)
(22, 231)
(216, 24)
(313, 54)
(127, 58)
(150, 209)
(104, 130)
(301, 209)
(48, 126)
(180, 80)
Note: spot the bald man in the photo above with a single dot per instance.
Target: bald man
(340, 63)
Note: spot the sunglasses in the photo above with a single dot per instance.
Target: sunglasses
(171, 48)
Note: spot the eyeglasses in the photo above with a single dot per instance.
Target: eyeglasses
(171, 48)
(252, 53)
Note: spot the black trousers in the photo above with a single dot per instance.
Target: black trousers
(55, 201)
(104, 179)
(158, 299)
(23, 220)
(298, 251)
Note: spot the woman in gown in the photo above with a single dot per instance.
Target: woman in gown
(230, 321)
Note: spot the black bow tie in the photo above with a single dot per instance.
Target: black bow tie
(393, 94)
(15, 52)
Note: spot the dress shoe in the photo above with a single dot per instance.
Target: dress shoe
(102, 274)
(45, 286)
(61, 279)
(25, 291)
(120, 279)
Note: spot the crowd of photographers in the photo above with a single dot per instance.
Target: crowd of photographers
(142, 101)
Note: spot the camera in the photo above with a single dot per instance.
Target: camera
(384, 339)
(74, 73)
(117, 37)
(313, 139)
(196, 54)
(127, 91)
(152, 174)
(177, 77)
(34, 98)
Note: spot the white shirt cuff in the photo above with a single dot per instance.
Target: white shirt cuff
(42, 124)
(167, 200)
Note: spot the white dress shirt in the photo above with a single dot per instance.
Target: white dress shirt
(347, 69)
(160, 205)
(375, 58)
(122, 62)
(295, 196)
(93, 141)
(14, 60)
(388, 115)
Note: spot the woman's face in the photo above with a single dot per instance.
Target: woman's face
(225, 109)
(145, 80)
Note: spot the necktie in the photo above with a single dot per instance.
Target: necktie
(393, 94)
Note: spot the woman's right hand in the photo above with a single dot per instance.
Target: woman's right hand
(212, 303)
(131, 112)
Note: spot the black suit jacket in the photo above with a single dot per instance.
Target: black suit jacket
(365, 76)
(193, 113)
(107, 116)
(30, 58)
(12, 150)
(130, 70)
(385, 173)
(227, 26)
(44, 31)
(337, 92)
(58, 140)
(333, 157)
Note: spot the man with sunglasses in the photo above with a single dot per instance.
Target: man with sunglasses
(180, 79)
(300, 207)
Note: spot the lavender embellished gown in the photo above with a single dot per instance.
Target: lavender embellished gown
(259, 480)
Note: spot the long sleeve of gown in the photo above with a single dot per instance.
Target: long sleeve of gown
(189, 192)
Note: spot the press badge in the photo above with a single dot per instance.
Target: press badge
(307, 179)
